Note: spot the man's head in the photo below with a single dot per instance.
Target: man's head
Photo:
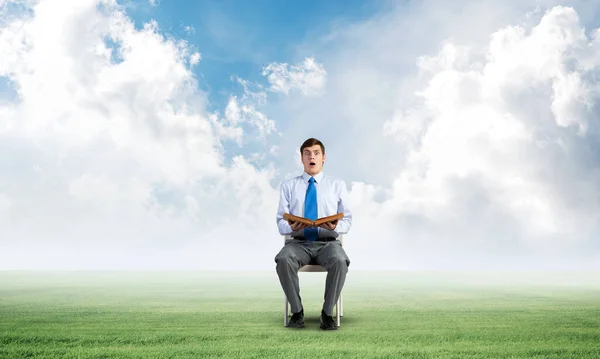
(312, 153)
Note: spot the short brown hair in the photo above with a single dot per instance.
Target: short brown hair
(312, 142)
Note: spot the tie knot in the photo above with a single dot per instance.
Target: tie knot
(311, 180)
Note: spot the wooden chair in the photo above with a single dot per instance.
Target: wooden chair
(339, 309)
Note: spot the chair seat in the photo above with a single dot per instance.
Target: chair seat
(312, 268)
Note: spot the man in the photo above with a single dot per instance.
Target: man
(313, 195)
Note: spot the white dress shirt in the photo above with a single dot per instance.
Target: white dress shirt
(332, 198)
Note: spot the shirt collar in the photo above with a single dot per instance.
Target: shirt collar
(317, 177)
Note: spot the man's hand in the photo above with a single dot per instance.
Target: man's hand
(296, 226)
(329, 225)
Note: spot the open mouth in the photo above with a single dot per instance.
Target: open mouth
(312, 164)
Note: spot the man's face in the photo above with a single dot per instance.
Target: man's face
(313, 159)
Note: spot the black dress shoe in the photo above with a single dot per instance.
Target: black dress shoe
(297, 320)
(327, 322)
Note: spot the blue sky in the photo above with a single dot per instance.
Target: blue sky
(238, 38)
(466, 132)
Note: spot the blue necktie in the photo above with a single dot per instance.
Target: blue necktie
(310, 210)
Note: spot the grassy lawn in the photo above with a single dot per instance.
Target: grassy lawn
(240, 315)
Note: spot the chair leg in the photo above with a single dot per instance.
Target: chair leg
(338, 310)
(285, 310)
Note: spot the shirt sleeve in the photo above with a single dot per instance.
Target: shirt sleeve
(284, 207)
(344, 224)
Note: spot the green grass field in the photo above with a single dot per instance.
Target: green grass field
(240, 315)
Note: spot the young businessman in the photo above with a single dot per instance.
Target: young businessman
(313, 195)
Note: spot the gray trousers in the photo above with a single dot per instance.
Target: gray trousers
(297, 253)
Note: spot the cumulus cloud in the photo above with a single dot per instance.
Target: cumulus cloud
(309, 77)
(477, 150)
(499, 166)
(473, 144)
(244, 112)
(109, 158)
(195, 58)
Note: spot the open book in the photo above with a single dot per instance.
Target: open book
(317, 222)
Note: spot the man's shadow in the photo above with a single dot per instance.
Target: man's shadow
(314, 321)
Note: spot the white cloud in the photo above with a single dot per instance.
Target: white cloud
(489, 144)
(189, 29)
(228, 128)
(309, 77)
(109, 157)
(472, 145)
(244, 112)
(491, 156)
(195, 58)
